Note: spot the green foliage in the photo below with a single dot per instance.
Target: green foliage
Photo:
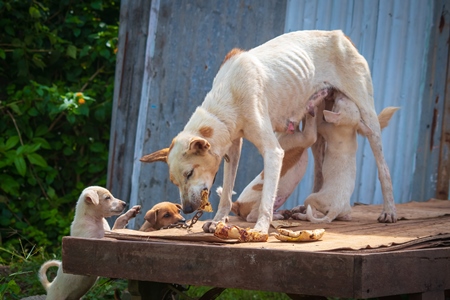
(20, 278)
(57, 62)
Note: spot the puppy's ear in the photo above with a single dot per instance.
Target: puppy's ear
(179, 206)
(198, 145)
(151, 216)
(331, 117)
(160, 155)
(91, 196)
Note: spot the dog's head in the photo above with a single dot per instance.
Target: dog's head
(346, 113)
(161, 215)
(99, 202)
(192, 167)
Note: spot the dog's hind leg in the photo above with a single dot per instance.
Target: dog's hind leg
(388, 215)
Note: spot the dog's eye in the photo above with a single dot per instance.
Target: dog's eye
(108, 198)
(167, 215)
(189, 174)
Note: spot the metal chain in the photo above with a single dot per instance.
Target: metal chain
(185, 225)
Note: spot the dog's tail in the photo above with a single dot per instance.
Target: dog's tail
(219, 191)
(330, 216)
(43, 272)
(385, 115)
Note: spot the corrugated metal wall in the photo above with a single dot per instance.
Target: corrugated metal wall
(393, 36)
(170, 51)
(192, 38)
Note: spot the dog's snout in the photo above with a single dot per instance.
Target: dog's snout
(188, 208)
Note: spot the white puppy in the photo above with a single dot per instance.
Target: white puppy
(339, 165)
(259, 92)
(94, 205)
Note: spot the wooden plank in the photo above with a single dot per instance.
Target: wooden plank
(257, 268)
(130, 69)
(260, 268)
(403, 272)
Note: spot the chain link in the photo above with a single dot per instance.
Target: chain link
(185, 225)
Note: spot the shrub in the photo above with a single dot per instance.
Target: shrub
(57, 62)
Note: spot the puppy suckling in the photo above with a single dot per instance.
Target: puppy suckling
(339, 166)
(94, 205)
(294, 165)
(252, 96)
(161, 215)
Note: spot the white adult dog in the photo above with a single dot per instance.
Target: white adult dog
(94, 205)
(259, 92)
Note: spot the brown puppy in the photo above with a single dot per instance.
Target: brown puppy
(161, 215)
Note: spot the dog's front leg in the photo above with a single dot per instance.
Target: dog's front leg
(123, 220)
(273, 158)
(229, 176)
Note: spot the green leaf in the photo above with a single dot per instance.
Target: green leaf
(21, 166)
(37, 160)
(76, 32)
(97, 5)
(2, 54)
(43, 142)
(9, 184)
(11, 142)
(34, 12)
(15, 108)
(71, 51)
(41, 130)
(97, 147)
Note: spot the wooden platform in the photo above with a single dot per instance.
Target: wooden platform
(356, 259)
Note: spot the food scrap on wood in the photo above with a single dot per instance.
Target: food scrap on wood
(224, 231)
(286, 235)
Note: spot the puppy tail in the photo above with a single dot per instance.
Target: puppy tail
(43, 272)
(385, 115)
(310, 216)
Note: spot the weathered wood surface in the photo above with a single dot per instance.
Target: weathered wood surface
(375, 268)
(323, 274)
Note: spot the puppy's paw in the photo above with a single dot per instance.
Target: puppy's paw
(283, 214)
(134, 211)
(123, 220)
(299, 209)
(387, 217)
(299, 216)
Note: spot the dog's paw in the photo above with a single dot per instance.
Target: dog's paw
(299, 216)
(387, 217)
(209, 226)
(301, 209)
(283, 214)
(134, 211)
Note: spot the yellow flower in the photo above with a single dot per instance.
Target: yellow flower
(79, 94)
(81, 101)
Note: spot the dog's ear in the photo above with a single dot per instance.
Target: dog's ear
(332, 117)
(363, 129)
(179, 206)
(198, 145)
(151, 216)
(160, 155)
(91, 196)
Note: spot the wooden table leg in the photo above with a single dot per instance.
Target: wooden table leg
(433, 295)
